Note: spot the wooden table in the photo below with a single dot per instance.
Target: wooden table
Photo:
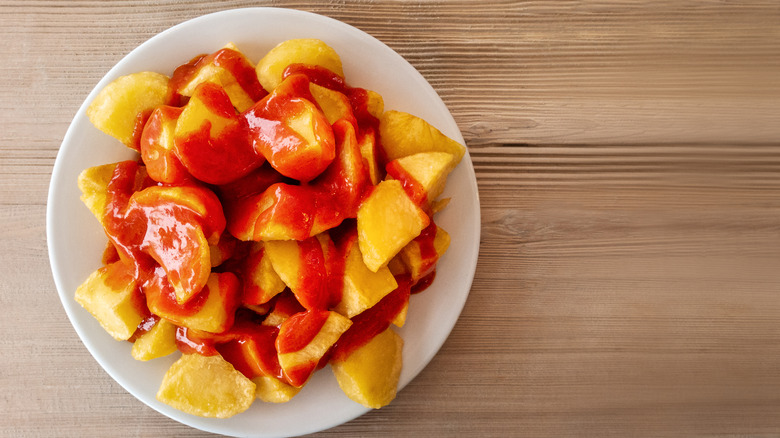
(628, 161)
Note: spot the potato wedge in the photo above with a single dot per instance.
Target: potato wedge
(117, 107)
(227, 392)
(296, 51)
(370, 374)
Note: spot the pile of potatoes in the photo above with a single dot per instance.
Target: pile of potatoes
(276, 221)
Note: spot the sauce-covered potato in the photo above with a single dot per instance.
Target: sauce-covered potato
(276, 220)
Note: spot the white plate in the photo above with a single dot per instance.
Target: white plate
(76, 241)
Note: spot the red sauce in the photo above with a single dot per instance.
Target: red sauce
(125, 231)
(299, 330)
(335, 262)
(318, 75)
(144, 327)
(161, 297)
(222, 159)
(242, 70)
(110, 254)
(298, 375)
(358, 98)
(162, 163)
(412, 187)
(182, 75)
(373, 320)
(424, 282)
(426, 243)
(284, 148)
(293, 207)
(138, 127)
(252, 293)
(254, 183)
(190, 343)
(253, 352)
(312, 290)
(341, 187)
(232, 61)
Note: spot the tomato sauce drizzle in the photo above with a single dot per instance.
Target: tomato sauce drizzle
(298, 330)
(411, 186)
(144, 327)
(138, 129)
(358, 99)
(373, 320)
(424, 282)
(250, 346)
(228, 59)
(189, 343)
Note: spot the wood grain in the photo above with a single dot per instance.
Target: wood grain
(628, 162)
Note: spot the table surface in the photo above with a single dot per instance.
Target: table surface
(628, 162)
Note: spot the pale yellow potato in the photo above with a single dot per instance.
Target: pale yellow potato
(224, 78)
(272, 390)
(262, 275)
(429, 169)
(212, 317)
(330, 332)
(370, 374)
(296, 51)
(285, 258)
(334, 104)
(158, 342)
(387, 220)
(362, 287)
(403, 134)
(412, 258)
(206, 386)
(93, 183)
(117, 106)
(195, 114)
(111, 296)
(376, 104)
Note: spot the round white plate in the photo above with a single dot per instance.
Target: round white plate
(76, 240)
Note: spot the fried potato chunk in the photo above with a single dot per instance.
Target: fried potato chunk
(386, 221)
(370, 374)
(207, 386)
(111, 296)
(117, 107)
(296, 51)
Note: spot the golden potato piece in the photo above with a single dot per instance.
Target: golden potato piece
(403, 134)
(93, 183)
(261, 282)
(362, 287)
(428, 169)
(367, 144)
(298, 365)
(375, 104)
(158, 342)
(370, 374)
(117, 106)
(213, 72)
(296, 51)
(285, 259)
(272, 390)
(419, 262)
(334, 104)
(111, 296)
(387, 220)
(207, 386)
(216, 313)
